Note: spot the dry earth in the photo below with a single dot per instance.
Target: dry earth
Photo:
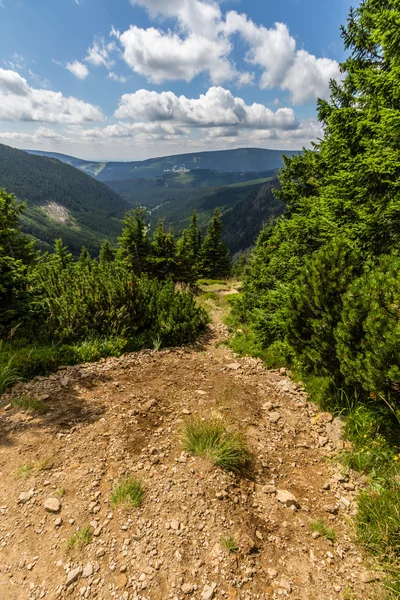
(122, 416)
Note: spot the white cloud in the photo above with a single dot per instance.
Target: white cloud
(21, 102)
(217, 108)
(202, 43)
(308, 78)
(78, 69)
(167, 56)
(304, 75)
(42, 134)
(116, 77)
(99, 53)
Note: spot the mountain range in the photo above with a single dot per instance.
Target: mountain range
(83, 202)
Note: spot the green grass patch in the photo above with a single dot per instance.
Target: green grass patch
(25, 471)
(129, 492)
(378, 523)
(29, 404)
(323, 529)
(211, 282)
(80, 539)
(229, 543)
(212, 439)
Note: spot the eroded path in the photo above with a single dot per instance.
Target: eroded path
(122, 416)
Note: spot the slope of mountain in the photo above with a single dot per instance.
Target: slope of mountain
(241, 160)
(62, 201)
(243, 221)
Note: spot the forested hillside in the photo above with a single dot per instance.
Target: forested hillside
(242, 160)
(62, 201)
(243, 221)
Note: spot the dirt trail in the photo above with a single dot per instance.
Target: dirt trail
(122, 416)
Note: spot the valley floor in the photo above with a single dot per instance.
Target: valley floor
(123, 416)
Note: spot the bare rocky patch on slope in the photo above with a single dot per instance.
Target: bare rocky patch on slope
(122, 417)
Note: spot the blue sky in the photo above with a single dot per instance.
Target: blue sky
(132, 79)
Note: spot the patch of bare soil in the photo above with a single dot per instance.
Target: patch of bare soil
(123, 416)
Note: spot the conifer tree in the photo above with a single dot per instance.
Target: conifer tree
(215, 260)
(194, 232)
(107, 253)
(61, 256)
(187, 269)
(16, 253)
(134, 246)
(163, 251)
(85, 259)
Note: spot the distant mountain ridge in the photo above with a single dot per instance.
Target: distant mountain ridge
(241, 160)
(62, 201)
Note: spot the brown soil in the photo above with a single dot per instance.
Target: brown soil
(123, 416)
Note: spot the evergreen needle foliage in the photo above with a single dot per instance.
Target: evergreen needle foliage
(212, 439)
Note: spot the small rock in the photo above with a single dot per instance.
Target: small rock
(284, 584)
(274, 417)
(272, 573)
(370, 577)
(8, 407)
(208, 592)
(286, 498)
(58, 522)
(24, 497)
(52, 505)
(187, 588)
(233, 366)
(175, 524)
(123, 568)
(331, 508)
(100, 552)
(88, 570)
(73, 575)
(268, 489)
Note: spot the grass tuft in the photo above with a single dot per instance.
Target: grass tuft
(80, 539)
(323, 529)
(8, 376)
(25, 471)
(29, 404)
(378, 522)
(214, 440)
(230, 544)
(130, 492)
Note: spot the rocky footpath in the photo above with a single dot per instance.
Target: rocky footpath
(123, 416)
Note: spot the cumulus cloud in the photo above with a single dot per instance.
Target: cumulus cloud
(42, 134)
(78, 69)
(217, 108)
(202, 43)
(167, 56)
(21, 102)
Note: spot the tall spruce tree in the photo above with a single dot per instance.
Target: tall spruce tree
(134, 245)
(215, 260)
(194, 233)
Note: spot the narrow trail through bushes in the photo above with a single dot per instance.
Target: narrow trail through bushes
(122, 417)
